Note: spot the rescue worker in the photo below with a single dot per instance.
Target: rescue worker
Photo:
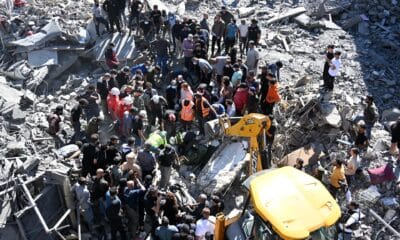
(187, 114)
(156, 141)
(113, 103)
(203, 108)
(272, 96)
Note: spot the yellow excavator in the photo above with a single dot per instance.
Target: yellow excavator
(283, 203)
(255, 127)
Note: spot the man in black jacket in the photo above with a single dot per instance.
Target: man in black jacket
(113, 10)
(113, 212)
(76, 113)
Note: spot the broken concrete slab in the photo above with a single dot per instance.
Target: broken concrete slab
(224, 166)
(246, 12)
(35, 41)
(42, 58)
(304, 20)
(310, 155)
(18, 116)
(331, 114)
(303, 81)
(287, 14)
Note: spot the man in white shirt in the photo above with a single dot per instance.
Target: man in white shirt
(98, 17)
(243, 29)
(252, 57)
(334, 70)
(205, 225)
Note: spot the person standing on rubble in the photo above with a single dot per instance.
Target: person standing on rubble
(156, 18)
(136, 7)
(122, 77)
(272, 96)
(98, 17)
(81, 195)
(113, 10)
(166, 159)
(113, 213)
(132, 194)
(161, 47)
(371, 115)
(253, 33)
(54, 120)
(243, 29)
(231, 33)
(334, 70)
(111, 56)
(90, 153)
(275, 69)
(76, 113)
(395, 130)
(98, 194)
(338, 178)
(203, 108)
(328, 59)
(92, 108)
(217, 32)
(253, 57)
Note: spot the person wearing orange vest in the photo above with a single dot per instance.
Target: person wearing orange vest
(187, 114)
(113, 103)
(203, 108)
(272, 96)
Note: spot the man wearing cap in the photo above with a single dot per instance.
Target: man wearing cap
(253, 57)
(231, 33)
(371, 115)
(188, 48)
(217, 32)
(254, 32)
(203, 108)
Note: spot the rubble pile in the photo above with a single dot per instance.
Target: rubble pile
(312, 124)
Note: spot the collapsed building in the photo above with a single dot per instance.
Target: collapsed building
(39, 71)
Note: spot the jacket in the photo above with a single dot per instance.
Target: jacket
(273, 94)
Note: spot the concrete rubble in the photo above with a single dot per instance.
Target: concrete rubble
(43, 70)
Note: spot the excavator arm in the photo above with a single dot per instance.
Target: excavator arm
(250, 126)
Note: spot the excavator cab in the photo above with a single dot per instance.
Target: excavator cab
(283, 203)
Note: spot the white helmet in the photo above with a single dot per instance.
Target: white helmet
(115, 91)
(156, 99)
(128, 100)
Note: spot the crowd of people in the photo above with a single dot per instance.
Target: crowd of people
(148, 104)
